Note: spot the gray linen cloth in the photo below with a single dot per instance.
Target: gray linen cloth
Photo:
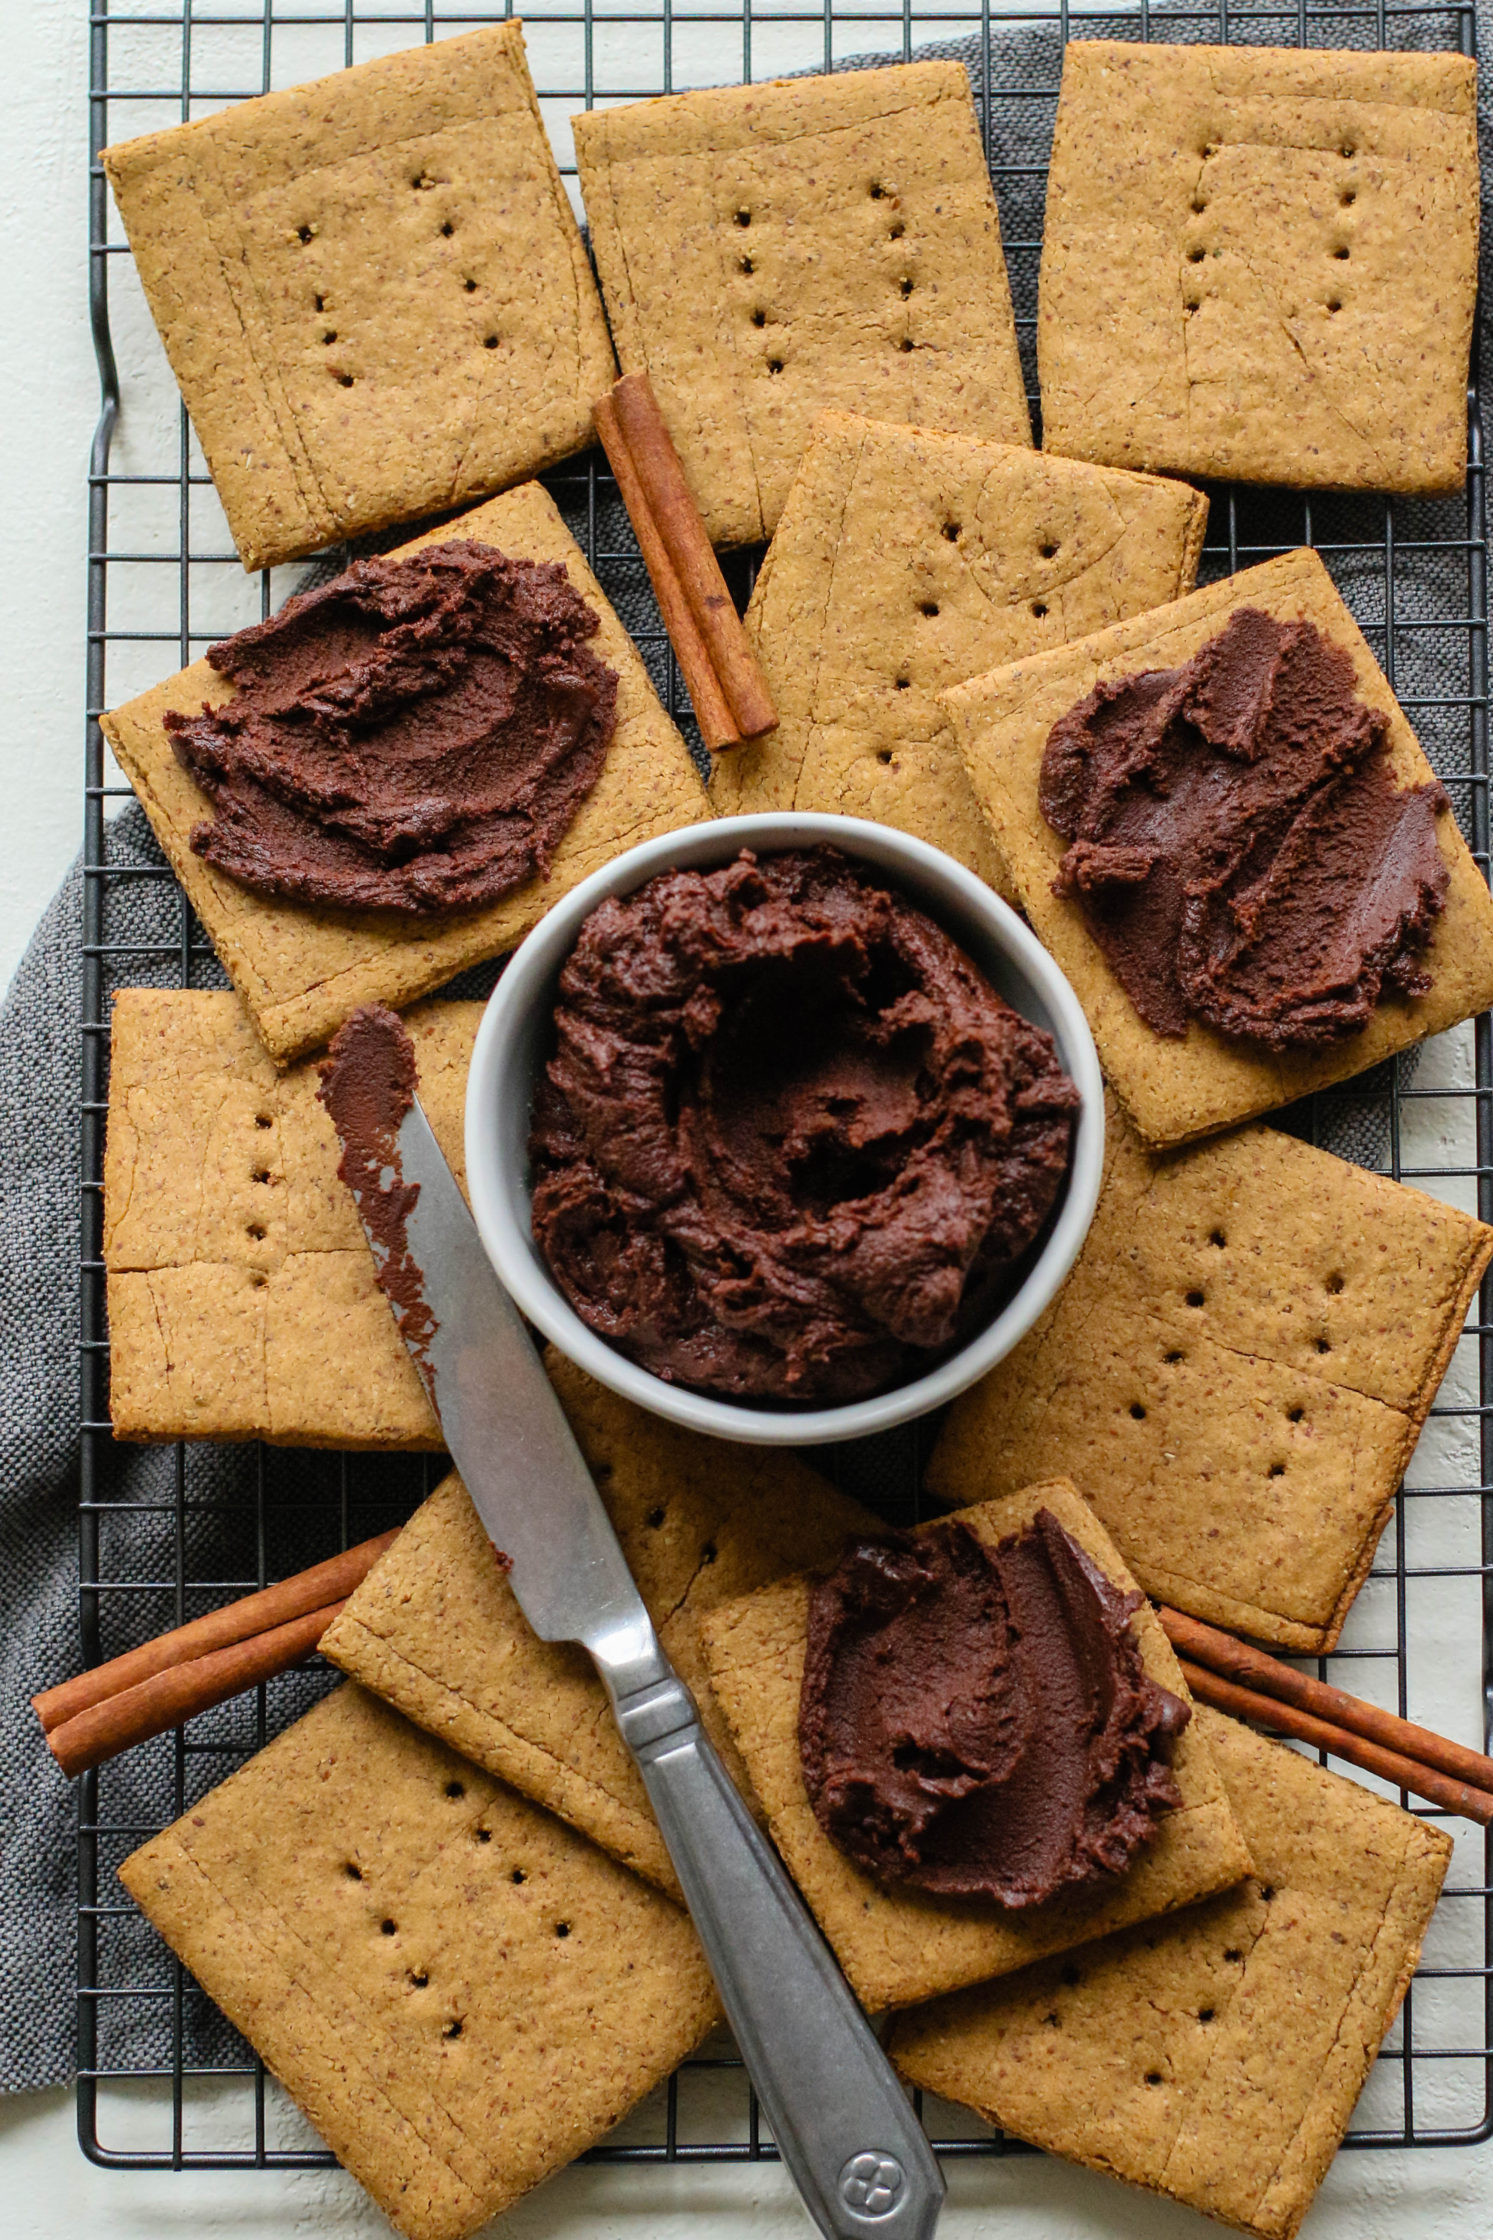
(40, 1043)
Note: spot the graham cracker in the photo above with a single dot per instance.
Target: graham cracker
(301, 970)
(767, 251)
(1215, 2057)
(436, 1630)
(242, 1296)
(372, 291)
(906, 561)
(1261, 264)
(899, 1947)
(1176, 1089)
(460, 1993)
(1236, 1373)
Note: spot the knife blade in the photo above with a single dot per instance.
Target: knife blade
(843, 2125)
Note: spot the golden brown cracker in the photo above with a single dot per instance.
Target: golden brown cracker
(242, 1297)
(301, 970)
(898, 1947)
(906, 561)
(1260, 264)
(768, 251)
(436, 1630)
(1174, 1089)
(1235, 1373)
(459, 1992)
(1215, 2056)
(372, 290)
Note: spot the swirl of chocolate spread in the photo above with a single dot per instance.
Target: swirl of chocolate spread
(976, 1722)
(1238, 845)
(789, 1142)
(416, 735)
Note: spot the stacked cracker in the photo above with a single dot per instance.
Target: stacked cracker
(842, 237)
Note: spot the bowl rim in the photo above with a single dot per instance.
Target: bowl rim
(500, 1201)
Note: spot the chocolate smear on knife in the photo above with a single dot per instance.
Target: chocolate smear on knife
(368, 1085)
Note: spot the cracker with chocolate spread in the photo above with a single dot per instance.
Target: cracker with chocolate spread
(907, 560)
(768, 251)
(1276, 926)
(460, 1993)
(900, 1945)
(242, 1297)
(302, 967)
(1214, 2057)
(372, 290)
(1261, 264)
(436, 1630)
(1235, 1373)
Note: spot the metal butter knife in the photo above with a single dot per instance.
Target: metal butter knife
(842, 2122)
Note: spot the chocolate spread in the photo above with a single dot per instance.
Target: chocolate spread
(416, 735)
(976, 1721)
(368, 1085)
(1239, 848)
(789, 1142)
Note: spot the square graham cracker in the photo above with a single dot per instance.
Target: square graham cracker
(1235, 1373)
(302, 970)
(372, 291)
(242, 1297)
(1215, 2056)
(436, 1631)
(1201, 1081)
(460, 1993)
(769, 251)
(1260, 264)
(906, 561)
(900, 1947)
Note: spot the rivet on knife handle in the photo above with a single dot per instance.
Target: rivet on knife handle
(843, 2124)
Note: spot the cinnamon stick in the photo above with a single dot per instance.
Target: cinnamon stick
(717, 724)
(1252, 1668)
(271, 1607)
(678, 517)
(168, 1698)
(1288, 1719)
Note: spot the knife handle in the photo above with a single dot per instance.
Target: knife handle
(842, 2122)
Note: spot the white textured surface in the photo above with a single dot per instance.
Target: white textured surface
(47, 2189)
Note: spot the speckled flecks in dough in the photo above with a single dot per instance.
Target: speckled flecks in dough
(460, 1992)
(1260, 264)
(1235, 1373)
(1216, 2056)
(242, 1297)
(771, 251)
(906, 561)
(372, 290)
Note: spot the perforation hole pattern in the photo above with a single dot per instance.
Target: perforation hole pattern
(152, 514)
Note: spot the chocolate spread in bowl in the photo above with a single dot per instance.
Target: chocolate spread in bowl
(976, 1722)
(1238, 846)
(416, 735)
(790, 1142)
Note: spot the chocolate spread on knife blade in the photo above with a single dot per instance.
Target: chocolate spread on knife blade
(416, 735)
(1238, 846)
(368, 1085)
(976, 1721)
(790, 1143)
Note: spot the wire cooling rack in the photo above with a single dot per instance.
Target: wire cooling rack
(169, 1532)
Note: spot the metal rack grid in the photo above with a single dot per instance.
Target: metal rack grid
(153, 1533)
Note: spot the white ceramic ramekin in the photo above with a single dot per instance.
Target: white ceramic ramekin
(511, 1043)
